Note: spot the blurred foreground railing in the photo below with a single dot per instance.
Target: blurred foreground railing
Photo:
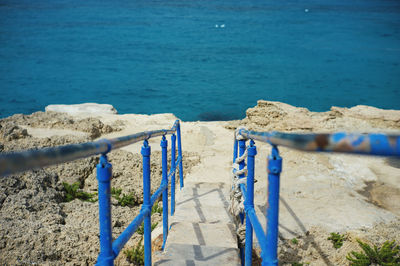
(371, 144)
(15, 162)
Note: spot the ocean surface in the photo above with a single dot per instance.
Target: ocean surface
(201, 60)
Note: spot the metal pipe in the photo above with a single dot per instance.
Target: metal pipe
(178, 131)
(164, 181)
(171, 172)
(249, 202)
(104, 169)
(124, 237)
(243, 190)
(120, 142)
(146, 151)
(173, 168)
(15, 162)
(242, 149)
(235, 149)
(274, 169)
(178, 160)
(260, 234)
(372, 144)
(158, 192)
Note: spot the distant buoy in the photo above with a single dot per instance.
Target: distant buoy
(306, 10)
(216, 25)
(223, 26)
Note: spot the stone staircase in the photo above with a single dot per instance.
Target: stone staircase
(202, 231)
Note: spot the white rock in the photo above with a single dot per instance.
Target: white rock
(83, 108)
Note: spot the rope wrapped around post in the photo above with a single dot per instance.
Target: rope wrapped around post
(239, 179)
(378, 144)
(237, 199)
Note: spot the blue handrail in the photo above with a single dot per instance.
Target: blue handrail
(368, 144)
(15, 162)
(371, 144)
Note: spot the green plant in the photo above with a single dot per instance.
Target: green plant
(156, 209)
(72, 191)
(337, 240)
(140, 229)
(116, 192)
(123, 200)
(387, 255)
(135, 254)
(294, 241)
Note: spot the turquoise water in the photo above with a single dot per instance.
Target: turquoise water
(204, 60)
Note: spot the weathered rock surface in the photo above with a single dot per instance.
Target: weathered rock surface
(84, 108)
(37, 226)
(128, 172)
(314, 248)
(93, 126)
(268, 115)
(11, 131)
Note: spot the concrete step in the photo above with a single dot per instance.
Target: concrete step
(202, 214)
(203, 194)
(205, 177)
(203, 234)
(202, 231)
(184, 254)
(207, 185)
(194, 188)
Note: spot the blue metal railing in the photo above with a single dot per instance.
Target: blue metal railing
(371, 144)
(15, 162)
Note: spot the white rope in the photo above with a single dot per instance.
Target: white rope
(239, 137)
(241, 158)
(236, 206)
(241, 233)
(236, 198)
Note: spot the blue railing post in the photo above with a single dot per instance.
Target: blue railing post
(178, 130)
(235, 149)
(242, 149)
(164, 181)
(274, 170)
(104, 173)
(173, 158)
(146, 151)
(249, 202)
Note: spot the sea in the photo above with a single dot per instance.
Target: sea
(199, 59)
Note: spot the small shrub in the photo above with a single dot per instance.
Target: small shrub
(337, 240)
(116, 192)
(156, 209)
(124, 200)
(72, 191)
(294, 241)
(140, 229)
(135, 254)
(387, 255)
(153, 226)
